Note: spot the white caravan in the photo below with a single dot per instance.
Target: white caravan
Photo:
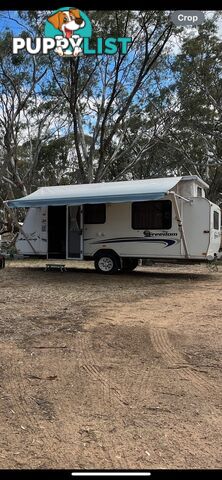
(117, 223)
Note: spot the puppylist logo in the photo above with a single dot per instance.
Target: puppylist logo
(68, 32)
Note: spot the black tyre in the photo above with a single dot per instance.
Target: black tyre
(106, 263)
(129, 264)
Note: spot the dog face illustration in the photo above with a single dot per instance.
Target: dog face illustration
(67, 21)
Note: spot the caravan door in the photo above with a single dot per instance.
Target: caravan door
(196, 223)
(74, 247)
(57, 231)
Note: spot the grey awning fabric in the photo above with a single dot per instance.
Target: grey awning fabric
(112, 192)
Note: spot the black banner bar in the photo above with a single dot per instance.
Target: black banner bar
(102, 474)
(110, 5)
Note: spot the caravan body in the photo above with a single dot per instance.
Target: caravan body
(159, 219)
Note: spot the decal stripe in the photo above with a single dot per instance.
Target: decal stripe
(167, 242)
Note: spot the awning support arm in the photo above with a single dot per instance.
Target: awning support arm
(180, 223)
(188, 200)
(19, 226)
(27, 240)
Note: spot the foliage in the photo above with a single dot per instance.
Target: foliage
(148, 113)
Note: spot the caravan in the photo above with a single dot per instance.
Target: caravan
(117, 223)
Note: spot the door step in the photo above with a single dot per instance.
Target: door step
(55, 266)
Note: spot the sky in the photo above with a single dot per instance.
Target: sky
(6, 22)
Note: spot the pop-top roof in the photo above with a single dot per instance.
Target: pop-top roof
(111, 192)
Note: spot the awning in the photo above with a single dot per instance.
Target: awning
(111, 192)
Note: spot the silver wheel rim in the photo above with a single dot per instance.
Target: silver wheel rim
(105, 264)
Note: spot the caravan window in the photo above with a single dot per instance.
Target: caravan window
(155, 215)
(199, 192)
(95, 213)
(216, 220)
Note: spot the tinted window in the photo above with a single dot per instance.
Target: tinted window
(199, 191)
(152, 215)
(95, 213)
(216, 220)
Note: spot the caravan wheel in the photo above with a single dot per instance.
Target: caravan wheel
(106, 263)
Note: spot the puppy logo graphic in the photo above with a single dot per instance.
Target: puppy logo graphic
(68, 32)
(68, 26)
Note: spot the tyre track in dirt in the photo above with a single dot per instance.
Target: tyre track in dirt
(134, 378)
(87, 363)
(111, 395)
(203, 387)
(176, 362)
(134, 382)
(96, 373)
(137, 389)
(81, 455)
(161, 342)
(67, 410)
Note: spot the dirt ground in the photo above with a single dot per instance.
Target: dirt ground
(110, 372)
